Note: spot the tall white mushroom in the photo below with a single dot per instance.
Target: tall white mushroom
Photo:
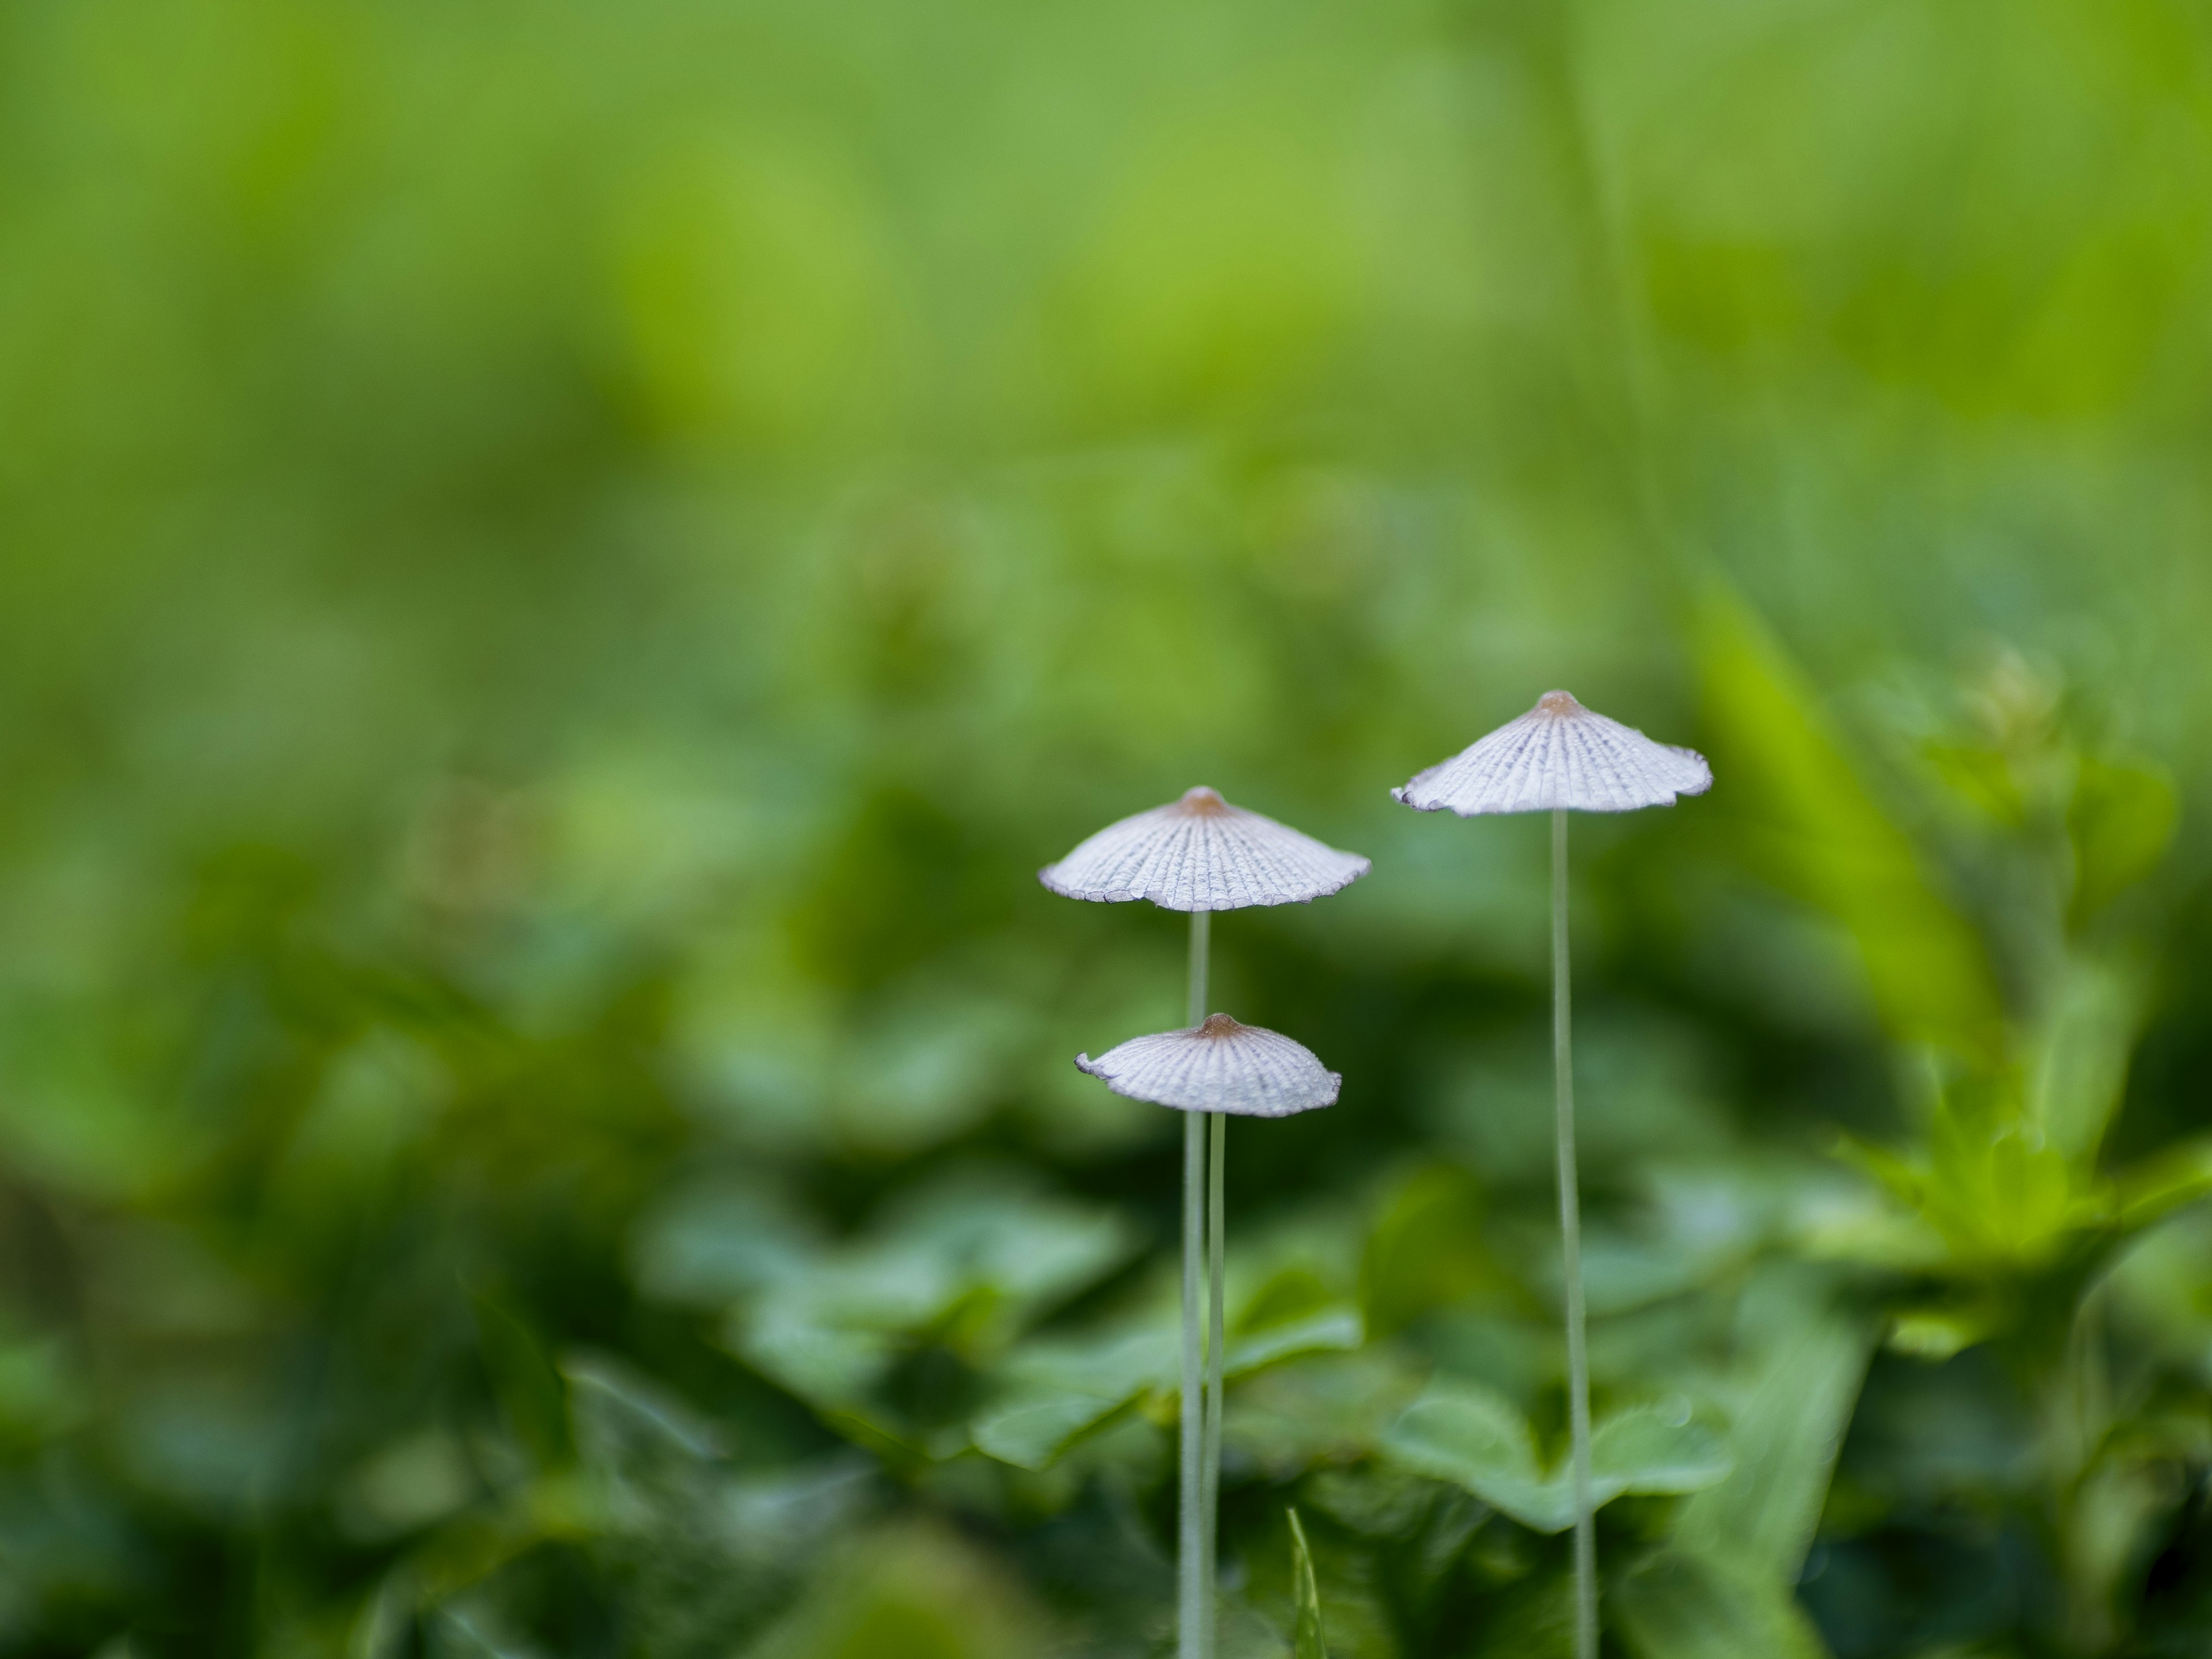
(1560, 757)
(1202, 854)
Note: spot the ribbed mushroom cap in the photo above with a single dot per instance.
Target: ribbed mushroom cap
(1201, 853)
(1219, 1067)
(1560, 754)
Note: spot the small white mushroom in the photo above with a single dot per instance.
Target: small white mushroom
(1559, 755)
(1201, 853)
(1219, 1067)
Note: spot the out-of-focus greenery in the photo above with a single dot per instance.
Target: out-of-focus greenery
(564, 565)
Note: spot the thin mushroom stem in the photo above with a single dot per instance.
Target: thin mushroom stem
(1192, 1598)
(1190, 1562)
(1570, 1242)
(1216, 1228)
(1199, 940)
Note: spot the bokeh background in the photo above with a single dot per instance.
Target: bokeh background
(564, 565)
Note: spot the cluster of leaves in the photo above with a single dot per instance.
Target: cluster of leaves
(469, 1337)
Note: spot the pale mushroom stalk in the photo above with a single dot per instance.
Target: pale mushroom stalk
(1202, 854)
(1194, 1581)
(1559, 756)
(1190, 1554)
(1217, 1068)
(1570, 1249)
(1210, 1453)
(1201, 1402)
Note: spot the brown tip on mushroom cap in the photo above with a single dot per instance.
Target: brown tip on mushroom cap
(1204, 801)
(1219, 1025)
(1559, 702)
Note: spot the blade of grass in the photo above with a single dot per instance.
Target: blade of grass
(1308, 1641)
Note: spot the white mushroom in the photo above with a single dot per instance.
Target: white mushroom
(1559, 755)
(1219, 1067)
(1201, 853)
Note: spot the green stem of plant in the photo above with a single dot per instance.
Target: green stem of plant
(1193, 1599)
(1216, 1228)
(1570, 1245)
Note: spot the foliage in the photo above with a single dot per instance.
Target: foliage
(564, 567)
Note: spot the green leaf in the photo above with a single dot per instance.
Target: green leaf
(831, 1367)
(2164, 1183)
(1334, 1330)
(989, 1231)
(1988, 1185)
(1057, 1393)
(1684, 1605)
(1329, 1408)
(964, 1264)
(1033, 1433)
(1639, 1451)
(1306, 1640)
(1796, 1381)
(1290, 1293)
(1462, 1432)
(2082, 1046)
(1807, 818)
(1936, 1333)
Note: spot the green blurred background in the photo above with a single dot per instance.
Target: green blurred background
(565, 564)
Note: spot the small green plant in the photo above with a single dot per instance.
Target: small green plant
(1993, 1229)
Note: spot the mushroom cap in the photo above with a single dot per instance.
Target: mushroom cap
(1201, 853)
(1560, 754)
(1219, 1067)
